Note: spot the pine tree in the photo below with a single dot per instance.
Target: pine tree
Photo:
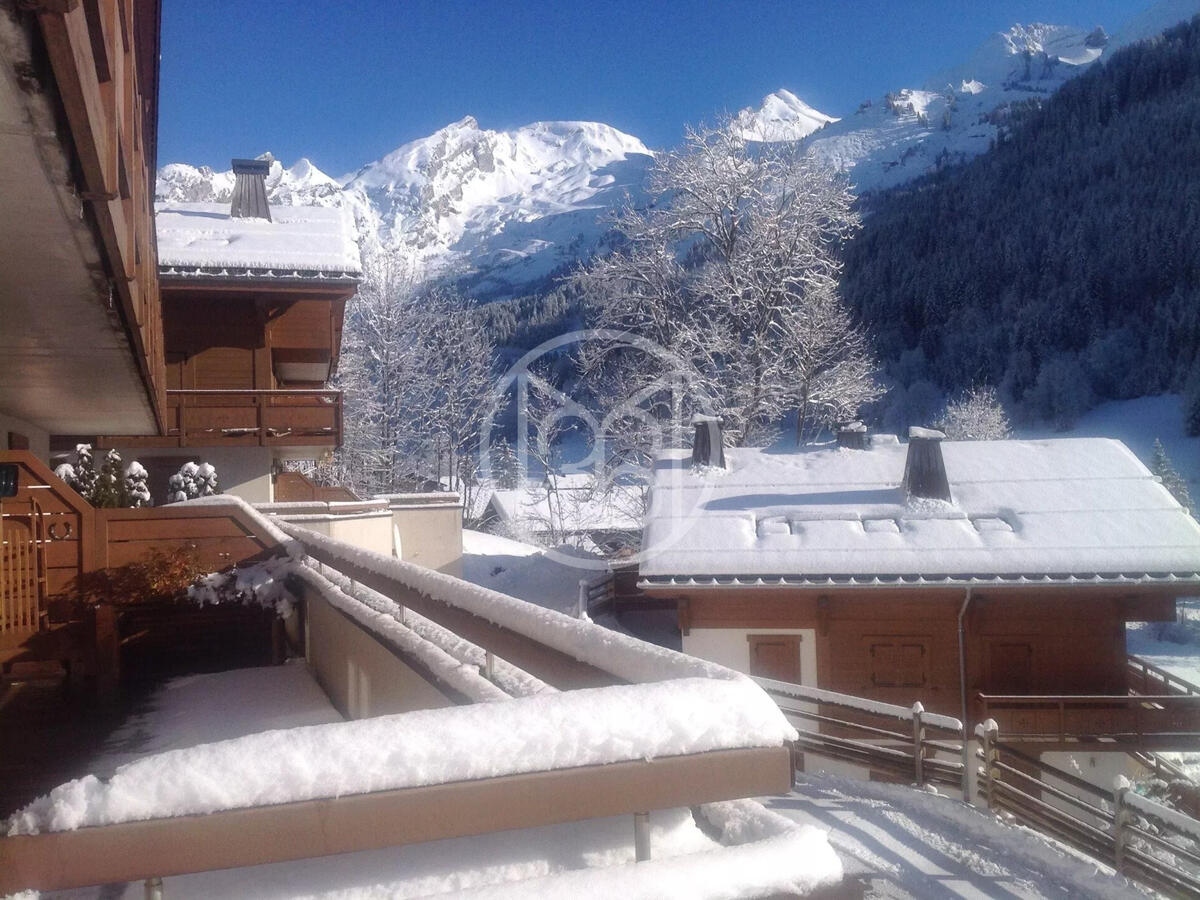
(1170, 477)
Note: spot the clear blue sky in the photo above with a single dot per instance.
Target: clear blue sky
(345, 82)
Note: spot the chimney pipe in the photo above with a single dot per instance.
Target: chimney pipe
(924, 470)
(708, 447)
(852, 435)
(250, 189)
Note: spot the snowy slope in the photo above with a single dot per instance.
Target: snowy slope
(303, 184)
(782, 116)
(957, 112)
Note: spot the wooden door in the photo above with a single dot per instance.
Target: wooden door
(775, 656)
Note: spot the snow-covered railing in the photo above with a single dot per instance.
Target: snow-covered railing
(1144, 839)
(406, 778)
(859, 735)
(620, 656)
(1151, 679)
(1118, 721)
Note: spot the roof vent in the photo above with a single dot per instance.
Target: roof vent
(924, 471)
(708, 447)
(852, 436)
(250, 189)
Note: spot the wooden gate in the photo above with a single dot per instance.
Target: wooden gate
(22, 568)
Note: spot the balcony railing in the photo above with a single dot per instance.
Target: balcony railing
(1118, 722)
(208, 418)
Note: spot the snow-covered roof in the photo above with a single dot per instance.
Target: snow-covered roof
(310, 243)
(579, 505)
(1077, 510)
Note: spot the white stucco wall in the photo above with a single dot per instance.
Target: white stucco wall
(429, 534)
(369, 531)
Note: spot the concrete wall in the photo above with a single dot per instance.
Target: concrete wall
(39, 440)
(242, 471)
(428, 528)
(370, 531)
(730, 647)
(361, 676)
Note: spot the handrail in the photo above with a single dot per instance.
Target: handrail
(1145, 667)
(181, 391)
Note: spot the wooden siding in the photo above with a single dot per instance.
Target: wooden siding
(104, 54)
(1025, 640)
(296, 487)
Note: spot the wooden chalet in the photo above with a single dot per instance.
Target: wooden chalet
(983, 579)
(253, 305)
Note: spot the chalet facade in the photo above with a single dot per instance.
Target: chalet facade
(253, 304)
(944, 572)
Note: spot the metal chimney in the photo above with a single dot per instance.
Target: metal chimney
(852, 436)
(924, 470)
(250, 189)
(708, 447)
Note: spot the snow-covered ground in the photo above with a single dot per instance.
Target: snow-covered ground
(525, 571)
(197, 709)
(898, 842)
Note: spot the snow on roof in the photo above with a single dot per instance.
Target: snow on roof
(1078, 509)
(578, 505)
(308, 242)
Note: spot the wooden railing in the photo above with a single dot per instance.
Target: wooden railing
(264, 418)
(861, 731)
(292, 487)
(595, 595)
(1114, 722)
(1144, 840)
(1147, 678)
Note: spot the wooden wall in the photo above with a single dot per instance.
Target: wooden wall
(901, 645)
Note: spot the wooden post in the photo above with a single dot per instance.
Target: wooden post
(988, 733)
(582, 605)
(1121, 817)
(918, 744)
(641, 836)
(108, 652)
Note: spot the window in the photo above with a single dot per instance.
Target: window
(775, 656)
(898, 662)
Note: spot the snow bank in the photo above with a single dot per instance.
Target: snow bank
(487, 740)
(622, 655)
(782, 860)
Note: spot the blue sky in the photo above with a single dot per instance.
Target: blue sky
(345, 82)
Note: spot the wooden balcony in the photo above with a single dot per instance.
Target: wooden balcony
(231, 418)
(1097, 722)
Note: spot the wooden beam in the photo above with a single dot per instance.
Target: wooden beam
(267, 834)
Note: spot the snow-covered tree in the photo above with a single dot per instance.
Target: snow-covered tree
(191, 481)
(105, 487)
(81, 472)
(976, 415)
(1161, 466)
(734, 269)
(137, 489)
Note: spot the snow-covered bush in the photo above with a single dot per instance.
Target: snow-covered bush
(977, 415)
(261, 584)
(191, 481)
(112, 485)
(136, 488)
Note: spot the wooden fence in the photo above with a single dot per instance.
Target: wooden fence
(863, 732)
(1143, 839)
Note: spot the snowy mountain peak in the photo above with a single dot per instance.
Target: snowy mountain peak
(1026, 55)
(302, 183)
(782, 116)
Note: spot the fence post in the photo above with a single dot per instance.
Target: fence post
(489, 666)
(918, 744)
(1121, 817)
(582, 604)
(641, 836)
(153, 889)
(988, 732)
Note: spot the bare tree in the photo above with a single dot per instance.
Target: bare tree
(734, 269)
(977, 415)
